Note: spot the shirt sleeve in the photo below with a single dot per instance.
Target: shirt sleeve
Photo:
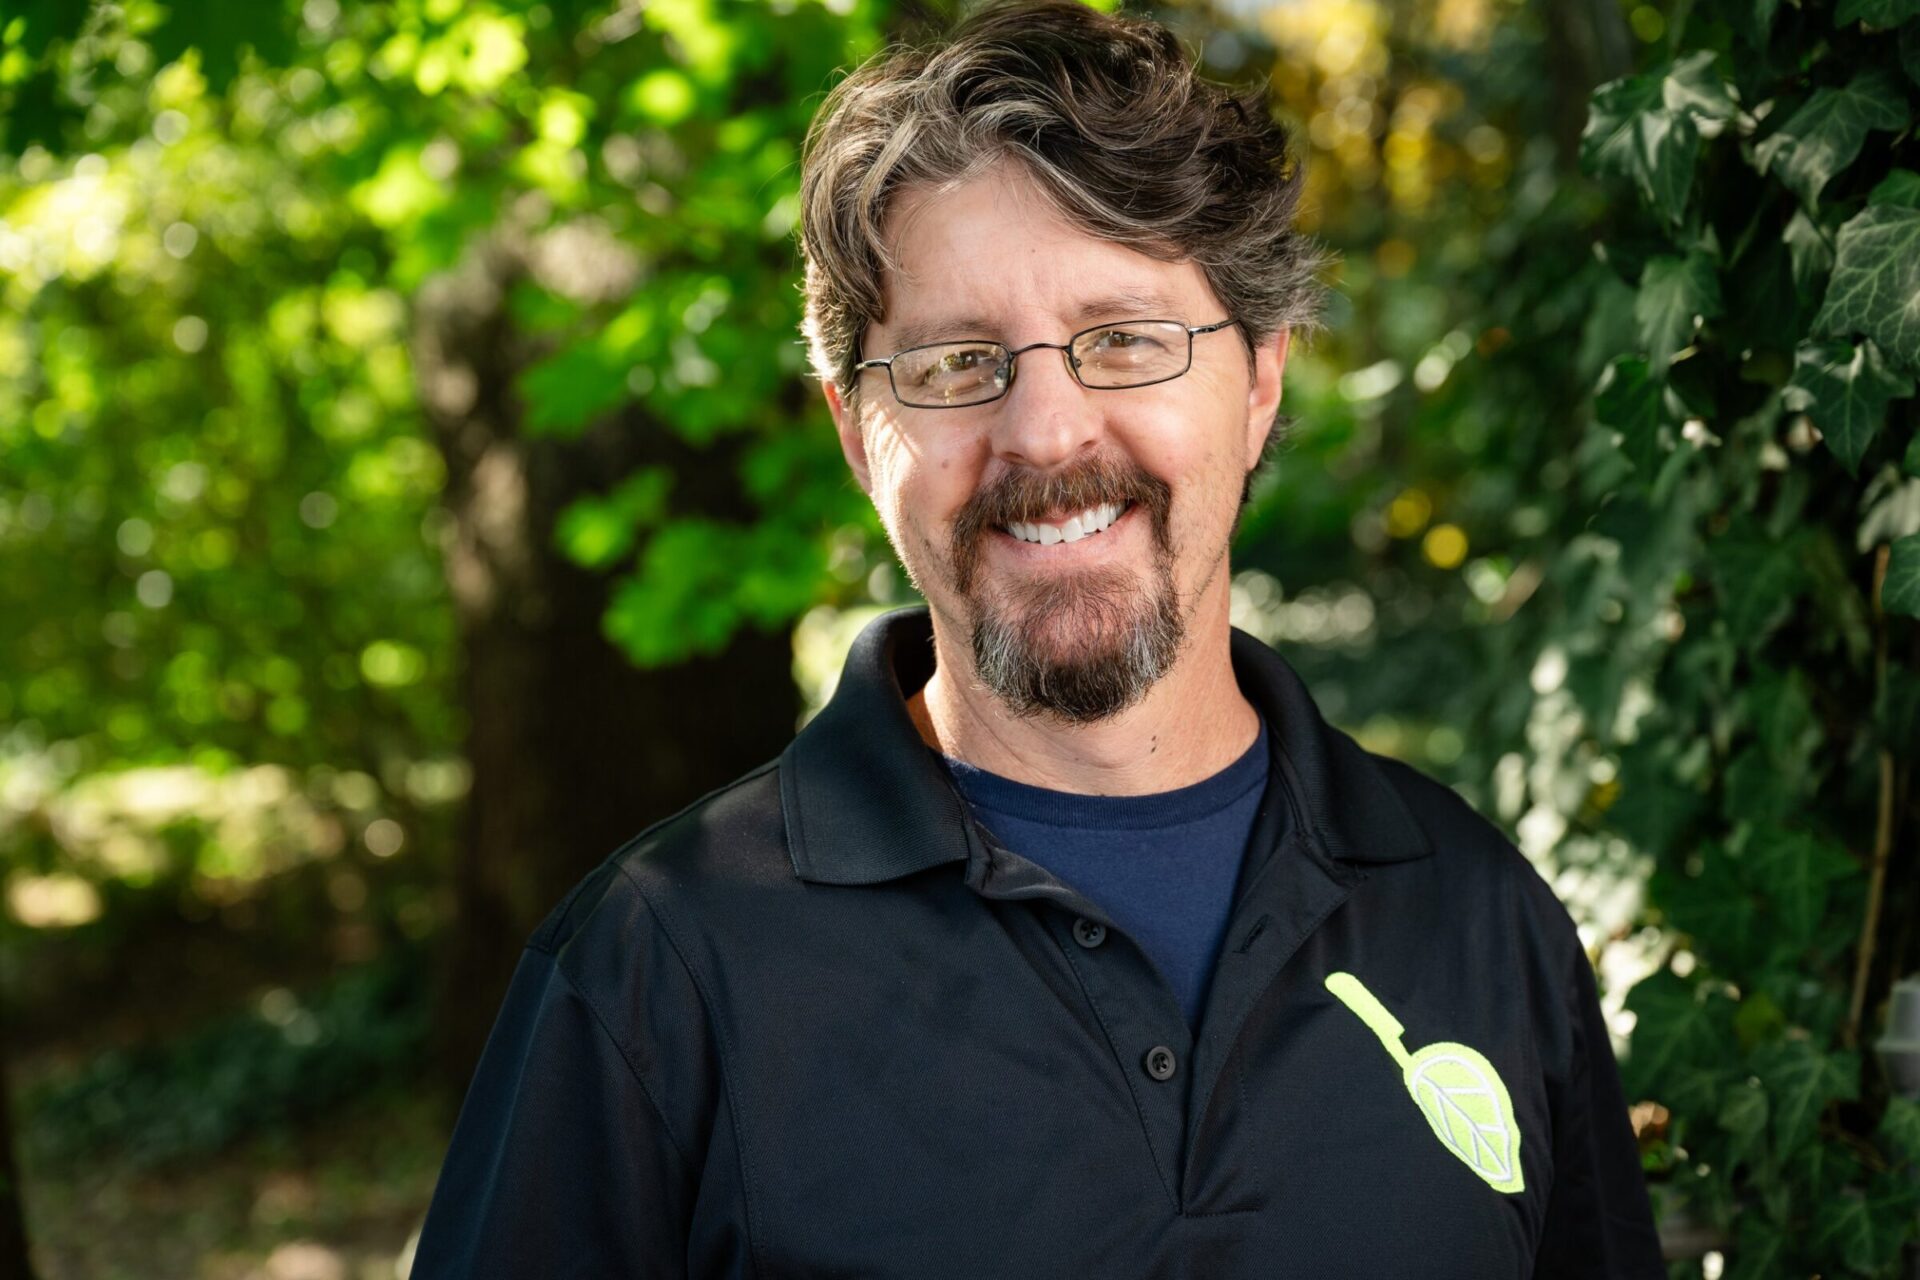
(561, 1164)
(1599, 1222)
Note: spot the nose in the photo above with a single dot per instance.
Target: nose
(1046, 417)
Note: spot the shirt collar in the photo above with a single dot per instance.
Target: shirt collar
(866, 802)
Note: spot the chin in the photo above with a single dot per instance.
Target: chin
(1080, 649)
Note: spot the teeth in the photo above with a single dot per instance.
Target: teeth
(1084, 525)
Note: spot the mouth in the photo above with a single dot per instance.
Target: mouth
(1079, 525)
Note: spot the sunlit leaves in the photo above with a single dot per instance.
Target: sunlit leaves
(1876, 282)
(1825, 135)
(1694, 85)
(663, 97)
(1810, 249)
(598, 532)
(1845, 390)
(1648, 129)
(701, 580)
(400, 193)
(1631, 133)
(571, 388)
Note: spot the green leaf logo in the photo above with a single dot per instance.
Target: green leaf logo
(1455, 1087)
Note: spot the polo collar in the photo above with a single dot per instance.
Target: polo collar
(866, 802)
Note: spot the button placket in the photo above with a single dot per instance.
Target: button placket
(1137, 1011)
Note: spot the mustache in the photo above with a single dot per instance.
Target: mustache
(1029, 495)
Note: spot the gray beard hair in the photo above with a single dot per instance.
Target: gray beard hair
(1131, 640)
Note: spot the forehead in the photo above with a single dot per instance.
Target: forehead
(992, 258)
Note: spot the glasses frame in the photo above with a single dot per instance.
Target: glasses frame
(1013, 359)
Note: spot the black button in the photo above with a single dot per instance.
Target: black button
(1089, 933)
(1160, 1062)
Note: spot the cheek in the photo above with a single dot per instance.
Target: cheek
(1194, 447)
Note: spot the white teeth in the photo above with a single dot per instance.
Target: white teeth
(1084, 525)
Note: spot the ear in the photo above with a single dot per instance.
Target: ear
(1263, 397)
(853, 445)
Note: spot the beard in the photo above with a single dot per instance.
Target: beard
(1072, 647)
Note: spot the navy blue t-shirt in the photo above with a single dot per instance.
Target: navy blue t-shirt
(1163, 865)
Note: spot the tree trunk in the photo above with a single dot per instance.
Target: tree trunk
(1588, 42)
(572, 748)
(15, 1264)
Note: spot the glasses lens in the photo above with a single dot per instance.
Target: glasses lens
(1132, 354)
(953, 373)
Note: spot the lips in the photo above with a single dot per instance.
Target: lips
(1105, 485)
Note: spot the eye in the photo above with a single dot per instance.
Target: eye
(1118, 340)
(958, 362)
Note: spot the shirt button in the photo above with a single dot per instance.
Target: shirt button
(1160, 1062)
(1089, 933)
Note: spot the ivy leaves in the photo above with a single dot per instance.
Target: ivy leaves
(1875, 291)
(1648, 128)
(1633, 404)
(1900, 593)
(1676, 294)
(1775, 283)
(1877, 13)
(1825, 135)
(1875, 288)
(1845, 390)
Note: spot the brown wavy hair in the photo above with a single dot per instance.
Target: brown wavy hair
(1108, 115)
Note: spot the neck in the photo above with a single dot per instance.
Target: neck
(1193, 723)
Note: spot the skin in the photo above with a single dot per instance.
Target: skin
(993, 251)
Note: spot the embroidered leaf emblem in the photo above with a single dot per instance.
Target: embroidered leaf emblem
(1462, 1097)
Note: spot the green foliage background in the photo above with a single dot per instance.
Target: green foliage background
(1601, 500)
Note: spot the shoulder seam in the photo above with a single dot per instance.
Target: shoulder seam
(550, 945)
(724, 1047)
(600, 1020)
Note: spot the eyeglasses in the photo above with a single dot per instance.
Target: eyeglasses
(1107, 357)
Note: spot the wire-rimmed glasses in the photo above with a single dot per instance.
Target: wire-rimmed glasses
(1106, 357)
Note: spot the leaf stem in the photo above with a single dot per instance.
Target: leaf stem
(1352, 993)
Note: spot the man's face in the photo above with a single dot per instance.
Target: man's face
(1076, 626)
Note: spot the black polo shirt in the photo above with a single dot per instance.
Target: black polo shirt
(818, 1024)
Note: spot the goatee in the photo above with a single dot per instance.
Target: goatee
(1074, 647)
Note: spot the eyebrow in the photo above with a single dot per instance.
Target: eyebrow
(1130, 304)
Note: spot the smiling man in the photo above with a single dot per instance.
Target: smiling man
(1068, 940)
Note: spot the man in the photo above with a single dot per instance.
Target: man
(1068, 940)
